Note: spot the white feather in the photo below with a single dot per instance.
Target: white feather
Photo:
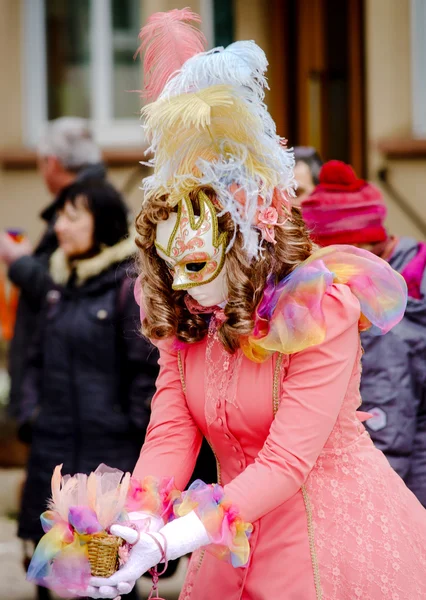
(240, 64)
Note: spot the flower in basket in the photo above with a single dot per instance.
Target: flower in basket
(76, 543)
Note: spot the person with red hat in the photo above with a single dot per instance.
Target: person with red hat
(344, 209)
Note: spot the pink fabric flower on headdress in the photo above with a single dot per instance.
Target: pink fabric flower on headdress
(267, 221)
(266, 217)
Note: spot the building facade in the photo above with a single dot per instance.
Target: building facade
(347, 76)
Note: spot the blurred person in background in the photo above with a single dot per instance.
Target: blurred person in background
(306, 171)
(66, 153)
(346, 210)
(90, 375)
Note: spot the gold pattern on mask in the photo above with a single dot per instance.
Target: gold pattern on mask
(195, 250)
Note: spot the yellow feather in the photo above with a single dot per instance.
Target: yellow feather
(212, 123)
(56, 488)
(187, 110)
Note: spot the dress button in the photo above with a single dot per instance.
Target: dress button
(234, 448)
(220, 421)
(241, 464)
(228, 437)
(218, 404)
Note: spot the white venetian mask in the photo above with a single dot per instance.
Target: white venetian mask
(194, 251)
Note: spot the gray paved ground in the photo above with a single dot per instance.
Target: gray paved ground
(12, 577)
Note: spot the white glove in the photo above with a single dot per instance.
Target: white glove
(183, 535)
(146, 522)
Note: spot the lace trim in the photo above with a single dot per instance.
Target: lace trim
(221, 376)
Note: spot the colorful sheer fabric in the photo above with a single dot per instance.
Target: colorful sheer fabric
(153, 496)
(60, 561)
(290, 317)
(228, 532)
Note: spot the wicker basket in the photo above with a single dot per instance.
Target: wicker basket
(103, 554)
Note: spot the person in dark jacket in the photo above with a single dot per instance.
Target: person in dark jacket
(91, 375)
(66, 153)
(345, 209)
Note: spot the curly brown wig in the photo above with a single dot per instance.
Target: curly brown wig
(165, 309)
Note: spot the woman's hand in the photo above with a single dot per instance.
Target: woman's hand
(177, 538)
(144, 555)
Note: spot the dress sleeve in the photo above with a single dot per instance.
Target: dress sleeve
(173, 439)
(313, 392)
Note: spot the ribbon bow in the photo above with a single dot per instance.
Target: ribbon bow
(196, 309)
(60, 560)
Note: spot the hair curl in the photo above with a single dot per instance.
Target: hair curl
(165, 308)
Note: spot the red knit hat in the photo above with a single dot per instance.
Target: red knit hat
(344, 209)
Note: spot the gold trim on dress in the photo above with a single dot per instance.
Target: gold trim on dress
(306, 499)
(312, 547)
(276, 384)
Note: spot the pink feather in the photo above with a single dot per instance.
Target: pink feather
(169, 39)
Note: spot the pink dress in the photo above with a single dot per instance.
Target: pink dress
(332, 520)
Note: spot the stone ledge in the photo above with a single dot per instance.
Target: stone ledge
(17, 159)
(403, 148)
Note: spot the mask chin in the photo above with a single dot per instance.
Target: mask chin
(214, 293)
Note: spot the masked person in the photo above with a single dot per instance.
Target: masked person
(260, 353)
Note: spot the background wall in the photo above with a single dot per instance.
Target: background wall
(389, 110)
(388, 103)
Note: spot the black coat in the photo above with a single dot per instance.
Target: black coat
(30, 274)
(88, 385)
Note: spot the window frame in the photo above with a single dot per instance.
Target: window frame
(109, 131)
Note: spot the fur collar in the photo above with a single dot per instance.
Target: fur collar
(61, 268)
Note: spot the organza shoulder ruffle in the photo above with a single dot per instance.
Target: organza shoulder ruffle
(290, 316)
(228, 533)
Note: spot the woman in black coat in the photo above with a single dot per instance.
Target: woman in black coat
(91, 375)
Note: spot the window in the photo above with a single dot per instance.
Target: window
(418, 71)
(78, 60)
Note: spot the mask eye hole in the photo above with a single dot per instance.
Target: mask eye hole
(194, 267)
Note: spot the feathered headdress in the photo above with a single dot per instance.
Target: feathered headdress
(208, 125)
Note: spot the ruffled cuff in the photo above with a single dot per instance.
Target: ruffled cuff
(154, 496)
(228, 533)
